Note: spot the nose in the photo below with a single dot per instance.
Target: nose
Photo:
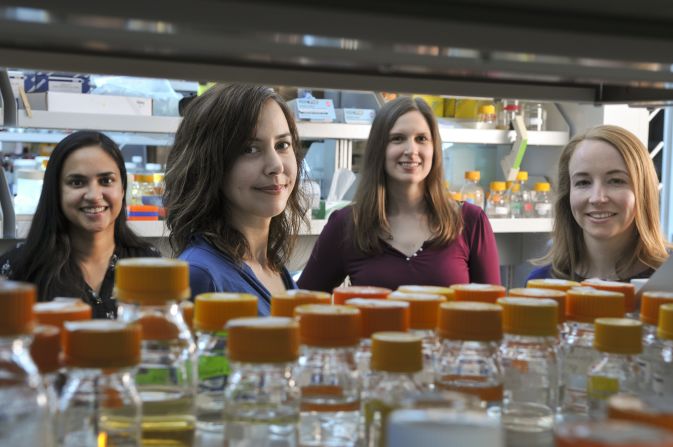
(410, 148)
(598, 193)
(273, 163)
(93, 192)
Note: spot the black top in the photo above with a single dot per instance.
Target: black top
(102, 304)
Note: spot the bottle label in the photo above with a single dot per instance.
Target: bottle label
(543, 209)
(211, 367)
(600, 388)
(153, 377)
(501, 211)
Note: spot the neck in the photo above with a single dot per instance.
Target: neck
(405, 199)
(93, 247)
(256, 233)
(602, 256)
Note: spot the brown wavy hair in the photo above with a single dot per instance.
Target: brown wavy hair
(214, 132)
(649, 246)
(370, 201)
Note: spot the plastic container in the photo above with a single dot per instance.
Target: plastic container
(149, 291)
(212, 312)
(552, 283)
(471, 192)
(535, 116)
(484, 293)
(542, 202)
(261, 401)
(100, 404)
(327, 375)
(653, 348)
(497, 205)
(663, 369)
(611, 433)
(342, 294)
(520, 198)
(283, 305)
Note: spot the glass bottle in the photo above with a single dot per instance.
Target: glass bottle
(551, 294)
(535, 116)
(486, 119)
(60, 310)
(521, 204)
(471, 192)
(212, 311)
(497, 205)
(552, 283)
(469, 359)
(45, 350)
(447, 292)
(484, 293)
(327, 375)
(261, 401)
(24, 414)
(529, 353)
(625, 288)
(618, 340)
(283, 304)
(542, 206)
(510, 108)
(652, 346)
(149, 290)
(663, 369)
(647, 409)
(611, 433)
(396, 359)
(344, 293)
(187, 310)
(100, 404)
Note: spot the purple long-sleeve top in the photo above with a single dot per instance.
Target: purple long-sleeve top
(471, 257)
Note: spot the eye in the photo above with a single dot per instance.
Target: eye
(396, 139)
(75, 182)
(251, 149)
(618, 181)
(422, 139)
(283, 145)
(581, 183)
(107, 181)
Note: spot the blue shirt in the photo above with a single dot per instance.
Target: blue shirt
(211, 270)
(545, 272)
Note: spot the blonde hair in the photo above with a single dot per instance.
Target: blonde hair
(649, 247)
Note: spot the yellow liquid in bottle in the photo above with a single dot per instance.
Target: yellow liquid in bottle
(168, 418)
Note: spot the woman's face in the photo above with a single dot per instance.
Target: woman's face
(602, 199)
(91, 190)
(409, 150)
(262, 178)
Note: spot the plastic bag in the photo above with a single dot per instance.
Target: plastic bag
(164, 99)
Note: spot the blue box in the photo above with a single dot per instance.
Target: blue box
(40, 81)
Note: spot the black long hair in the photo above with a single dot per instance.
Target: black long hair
(46, 259)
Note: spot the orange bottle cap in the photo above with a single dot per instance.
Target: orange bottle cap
(381, 315)
(650, 410)
(397, 352)
(158, 327)
(60, 310)
(473, 175)
(629, 290)
(542, 187)
(328, 326)
(484, 293)
(552, 283)
(151, 281)
(618, 336)
(498, 186)
(611, 433)
(470, 321)
(447, 292)
(187, 309)
(665, 328)
(101, 344)
(585, 304)
(212, 311)
(531, 292)
(263, 340)
(341, 294)
(423, 308)
(522, 176)
(650, 303)
(16, 307)
(283, 305)
(529, 316)
(46, 348)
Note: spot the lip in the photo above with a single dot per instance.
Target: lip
(410, 165)
(87, 210)
(272, 189)
(600, 216)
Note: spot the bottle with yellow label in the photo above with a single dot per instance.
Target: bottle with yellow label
(619, 340)
(149, 291)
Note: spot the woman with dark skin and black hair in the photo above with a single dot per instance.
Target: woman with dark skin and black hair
(79, 229)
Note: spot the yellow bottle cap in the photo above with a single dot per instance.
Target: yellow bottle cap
(651, 410)
(611, 433)
(212, 311)
(484, 293)
(423, 308)
(649, 306)
(283, 305)
(522, 176)
(263, 340)
(341, 294)
(618, 336)
(457, 196)
(552, 294)
(60, 310)
(328, 326)
(473, 175)
(552, 283)
(143, 178)
(101, 344)
(487, 109)
(16, 308)
(515, 187)
(585, 304)
(381, 315)
(397, 352)
(447, 292)
(542, 187)
(533, 317)
(665, 327)
(46, 348)
(498, 186)
(470, 321)
(187, 309)
(627, 289)
(151, 281)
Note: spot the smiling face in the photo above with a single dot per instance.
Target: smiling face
(262, 178)
(409, 150)
(602, 198)
(91, 190)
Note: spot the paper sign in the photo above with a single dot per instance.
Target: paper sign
(318, 110)
(359, 116)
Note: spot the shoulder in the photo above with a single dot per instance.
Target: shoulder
(543, 272)
(203, 255)
(471, 213)
(344, 215)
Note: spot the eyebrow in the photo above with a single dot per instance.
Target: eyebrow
(277, 137)
(100, 174)
(611, 172)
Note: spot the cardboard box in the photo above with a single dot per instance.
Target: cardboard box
(81, 103)
(56, 82)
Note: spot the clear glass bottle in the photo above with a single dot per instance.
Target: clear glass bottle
(447, 292)
(521, 203)
(542, 205)
(497, 205)
(552, 283)
(328, 376)
(45, 350)
(611, 433)
(486, 119)
(647, 409)
(663, 369)
(625, 288)
(529, 353)
(396, 359)
(619, 340)
(652, 346)
(469, 358)
(535, 116)
(484, 293)
(149, 290)
(471, 192)
(551, 294)
(344, 293)
(583, 306)
(100, 404)
(60, 310)
(283, 304)
(212, 312)
(261, 401)
(510, 109)
(24, 415)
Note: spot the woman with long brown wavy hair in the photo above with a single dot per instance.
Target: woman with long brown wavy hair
(403, 228)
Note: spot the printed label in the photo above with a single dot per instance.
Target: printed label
(601, 388)
(211, 367)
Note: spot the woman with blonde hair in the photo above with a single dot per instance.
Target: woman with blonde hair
(606, 210)
(403, 228)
